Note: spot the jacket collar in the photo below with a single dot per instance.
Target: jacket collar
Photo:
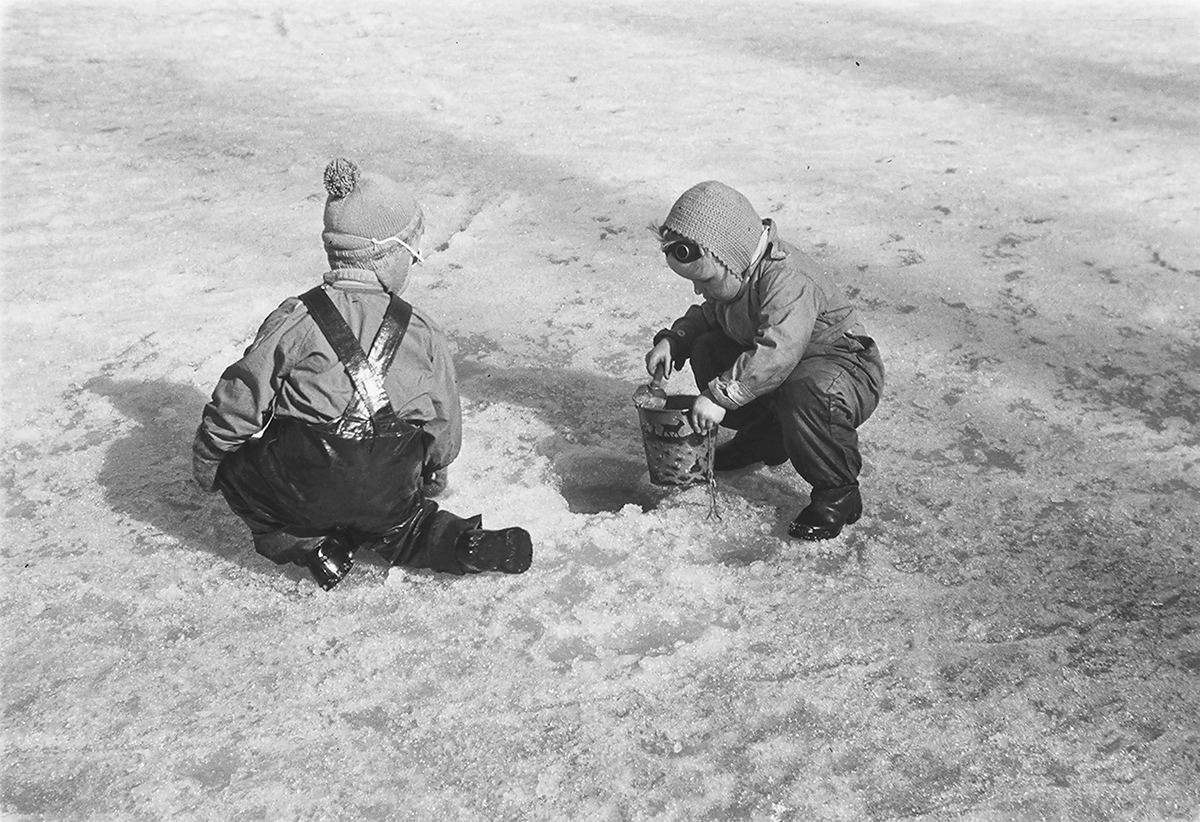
(774, 251)
(353, 279)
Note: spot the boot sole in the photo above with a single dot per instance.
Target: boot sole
(509, 551)
(812, 533)
(520, 552)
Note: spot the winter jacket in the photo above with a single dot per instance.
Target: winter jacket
(291, 371)
(789, 308)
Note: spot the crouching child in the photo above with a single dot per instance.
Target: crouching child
(335, 429)
(776, 349)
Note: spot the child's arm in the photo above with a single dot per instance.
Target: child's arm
(683, 332)
(789, 306)
(445, 428)
(242, 401)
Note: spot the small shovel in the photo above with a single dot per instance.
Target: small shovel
(651, 395)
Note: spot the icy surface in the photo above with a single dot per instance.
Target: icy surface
(1008, 191)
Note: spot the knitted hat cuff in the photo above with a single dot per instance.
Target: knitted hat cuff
(352, 248)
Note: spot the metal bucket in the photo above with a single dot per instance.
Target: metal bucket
(676, 454)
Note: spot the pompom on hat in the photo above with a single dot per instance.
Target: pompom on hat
(363, 207)
(720, 219)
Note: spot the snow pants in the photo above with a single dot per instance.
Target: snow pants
(293, 487)
(814, 414)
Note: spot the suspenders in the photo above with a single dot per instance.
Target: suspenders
(366, 371)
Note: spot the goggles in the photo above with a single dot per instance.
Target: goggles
(684, 251)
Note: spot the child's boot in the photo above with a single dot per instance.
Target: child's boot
(331, 561)
(509, 550)
(827, 513)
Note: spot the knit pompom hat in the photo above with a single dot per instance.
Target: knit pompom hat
(362, 210)
(720, 219)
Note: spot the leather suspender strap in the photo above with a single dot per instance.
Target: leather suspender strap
(368, 384)
(391, 332)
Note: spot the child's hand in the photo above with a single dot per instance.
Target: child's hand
(706, 414)
(660, 355)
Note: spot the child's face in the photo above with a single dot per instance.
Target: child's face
(710, 279)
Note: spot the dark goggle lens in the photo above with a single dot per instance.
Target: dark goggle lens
(685, 251)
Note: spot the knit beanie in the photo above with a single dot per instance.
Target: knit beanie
(720, 219)
(362, 207)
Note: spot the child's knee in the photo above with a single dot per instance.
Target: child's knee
(819, 397)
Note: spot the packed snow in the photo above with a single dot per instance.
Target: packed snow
(1009, 191)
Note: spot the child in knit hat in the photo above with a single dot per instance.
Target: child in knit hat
(336, 427)
(776, 350)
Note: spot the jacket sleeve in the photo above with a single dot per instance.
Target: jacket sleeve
(445, 429)
(789, 307)
(242, 401)
(682, 334)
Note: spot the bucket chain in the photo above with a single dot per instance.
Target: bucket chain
(714, 510)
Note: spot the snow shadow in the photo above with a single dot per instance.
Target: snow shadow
(147, 474)
(892, 49)
(596, 449)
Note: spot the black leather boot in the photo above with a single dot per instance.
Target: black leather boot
(330, 561)
(827, 513)
(757, 442)
(509, 550)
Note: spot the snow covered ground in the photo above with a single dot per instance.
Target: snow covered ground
(1011, 193)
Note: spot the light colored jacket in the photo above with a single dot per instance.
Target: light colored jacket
(290, 370)
(789, 308)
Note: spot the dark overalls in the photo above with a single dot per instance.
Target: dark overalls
(813, 416)
(357, 477)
